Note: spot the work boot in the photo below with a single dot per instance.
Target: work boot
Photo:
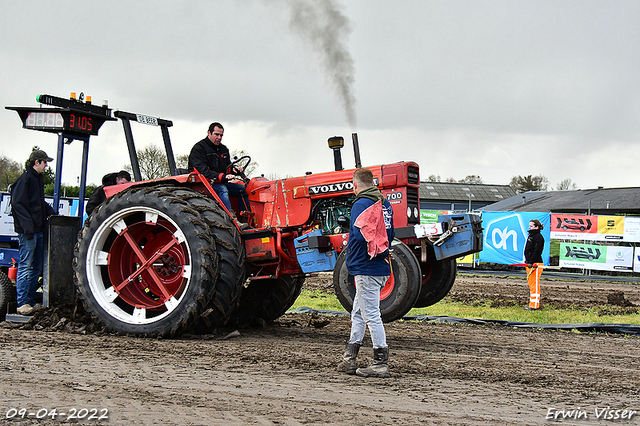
(25, 309)
(241, 225)
(380, 366)
(348, 364)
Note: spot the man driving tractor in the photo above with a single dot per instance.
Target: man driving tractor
(211, 158)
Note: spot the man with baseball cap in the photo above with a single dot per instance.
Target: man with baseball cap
(30, 212)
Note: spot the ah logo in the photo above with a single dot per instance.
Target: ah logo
(504, 234)
(500, 238)
(504, 237)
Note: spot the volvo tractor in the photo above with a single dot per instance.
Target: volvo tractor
(164, 256)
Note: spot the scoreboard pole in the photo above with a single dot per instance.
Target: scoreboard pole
(58, 181)
(57, 186)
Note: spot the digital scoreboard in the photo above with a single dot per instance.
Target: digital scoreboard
(67, 121)
(72, 117)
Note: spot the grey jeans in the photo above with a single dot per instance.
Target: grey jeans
(366, 310)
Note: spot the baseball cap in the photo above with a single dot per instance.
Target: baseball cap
(39, 154)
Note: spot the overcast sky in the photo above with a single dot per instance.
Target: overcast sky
(489, 88)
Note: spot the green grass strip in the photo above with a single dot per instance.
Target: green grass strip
(317, 299)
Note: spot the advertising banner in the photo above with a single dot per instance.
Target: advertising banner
(583, 227)
(631, 231)
(610, 227)
(505, 235)
(466, 261)
(431, 216)
(636, 260)
(589, 256)
(6, 219)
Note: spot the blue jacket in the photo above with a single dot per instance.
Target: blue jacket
(358, 262)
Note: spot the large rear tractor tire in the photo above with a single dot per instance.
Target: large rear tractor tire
(7, 294)
(438, 277)
(231, 264)
(400, 291)
(265, 300)
(146, 262)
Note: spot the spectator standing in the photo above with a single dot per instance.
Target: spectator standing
(30, 212)
(533, 257)
(370, 235)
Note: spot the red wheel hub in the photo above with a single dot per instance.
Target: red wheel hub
(146, 264)
(388, 287)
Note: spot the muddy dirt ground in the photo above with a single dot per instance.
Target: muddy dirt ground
(284, 374)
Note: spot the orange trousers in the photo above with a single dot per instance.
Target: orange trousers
(533, 278)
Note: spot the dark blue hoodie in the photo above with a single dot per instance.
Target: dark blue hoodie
(358, 262)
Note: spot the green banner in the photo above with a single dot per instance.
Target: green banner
(429, 216)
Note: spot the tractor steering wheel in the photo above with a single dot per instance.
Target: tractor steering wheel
(239, 162)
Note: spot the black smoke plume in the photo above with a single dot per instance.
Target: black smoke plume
(322, 24)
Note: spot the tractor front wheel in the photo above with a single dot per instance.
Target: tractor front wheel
(438, 277)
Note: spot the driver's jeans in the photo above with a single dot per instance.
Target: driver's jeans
(224, 190)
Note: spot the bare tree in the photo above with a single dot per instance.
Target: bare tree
(182, 161)
(9, 171)
(276, 176)
(251, 167)
(153, 163)
(472, 179)
(566, 184)
(522, 184)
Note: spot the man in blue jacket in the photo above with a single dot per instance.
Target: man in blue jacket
(370, 235)
(30, 212)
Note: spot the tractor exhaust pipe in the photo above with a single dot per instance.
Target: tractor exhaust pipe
(336, 143)
(356, 150)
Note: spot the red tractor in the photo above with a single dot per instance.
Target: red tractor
(164, 256)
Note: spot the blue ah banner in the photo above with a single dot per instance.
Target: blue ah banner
(505, 234)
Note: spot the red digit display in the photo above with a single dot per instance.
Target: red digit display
(80, 122)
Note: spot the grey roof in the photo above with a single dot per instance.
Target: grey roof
(512, 203)
(461, 191)
(595, 201)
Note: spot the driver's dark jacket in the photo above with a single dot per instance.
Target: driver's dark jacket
(533, 247)
(210, 160)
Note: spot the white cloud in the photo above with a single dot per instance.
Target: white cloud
(492, 88)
